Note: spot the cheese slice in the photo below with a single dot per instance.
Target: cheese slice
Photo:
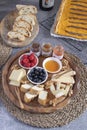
(28, 97)
(17, 75)
(52, 89)
(67, 80)
(61, 92)
(42, 98)
(43, 95)
(14, 83)
(25, 87)
(36, 89)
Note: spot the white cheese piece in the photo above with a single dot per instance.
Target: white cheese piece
(17, 75)
(28, 97)
(25, 87)
(43, 95)
(42, 98)
(14, 83)
(52, 89)
(67, 80)
(36, 88)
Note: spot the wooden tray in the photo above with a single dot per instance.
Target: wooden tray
(6, 26)
(34, 106)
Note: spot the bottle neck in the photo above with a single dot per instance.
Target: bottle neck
(46, 4)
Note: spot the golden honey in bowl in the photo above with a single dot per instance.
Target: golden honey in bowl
(52, 65)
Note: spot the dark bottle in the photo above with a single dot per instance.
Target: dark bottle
(46, 5)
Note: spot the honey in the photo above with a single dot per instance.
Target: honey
(52, 66)
(46, 49)
(58, 52)
(36, 48)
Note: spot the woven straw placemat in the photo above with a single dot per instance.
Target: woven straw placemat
(61, 117)
(5, 51)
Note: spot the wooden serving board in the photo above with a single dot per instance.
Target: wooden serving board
(34, 106)
(6, 26)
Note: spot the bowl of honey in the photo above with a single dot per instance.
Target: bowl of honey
(52, 65)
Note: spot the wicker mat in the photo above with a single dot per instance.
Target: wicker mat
(5, 52)
(61, 117)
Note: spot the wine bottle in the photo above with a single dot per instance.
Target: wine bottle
(46, 5)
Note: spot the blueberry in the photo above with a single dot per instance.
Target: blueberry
(39, 81)
(41, 73)
(35, 76)
(35, 80)
(36, 72)
(31, 78)
(44, 75)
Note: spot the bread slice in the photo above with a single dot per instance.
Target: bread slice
(18, 7)
(22, 31)
(25, 87)
(42, 98)
(23, 24)
(16, 35)
(28, 9)
(36, 90)
(28, 97)
(28, 18)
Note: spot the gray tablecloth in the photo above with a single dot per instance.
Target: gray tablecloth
(46, 19)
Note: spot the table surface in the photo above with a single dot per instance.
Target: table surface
(46, 19)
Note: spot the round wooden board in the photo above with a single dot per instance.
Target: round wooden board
(34, 106)
(6, 26)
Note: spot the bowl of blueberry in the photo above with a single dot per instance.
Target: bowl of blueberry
(37, 75)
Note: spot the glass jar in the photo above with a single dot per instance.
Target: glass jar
(46, 49)
(36, 48)
(58, 52)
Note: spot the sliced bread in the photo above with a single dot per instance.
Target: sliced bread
(16, 35)
(22, 24)
(27, 9)
(28, 18)
(22, 31)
